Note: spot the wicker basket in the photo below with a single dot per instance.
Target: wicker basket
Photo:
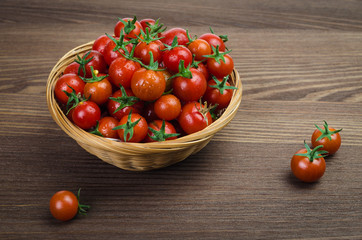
(136, 156)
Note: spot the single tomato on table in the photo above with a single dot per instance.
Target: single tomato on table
(328, 137)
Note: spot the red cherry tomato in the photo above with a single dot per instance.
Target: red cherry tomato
(172, 58)
(100, 43)
(123, 105)
(328, 137)
(143, 49)
(121, 71)
(194, 117)
(199, 48)
(64, 83)
(148, 85)
(132, 128)
(86, 114)
(72, 68)
(97, 62)
(98, 92)
(222, 69)
(214, 40)
(169, 35)
(106, 125)
(110, 54)
(63, 205)
(203, 69)
(218, 93)
(167, 107)
(146, 21)
(168, 131)
(308, 165)
(190, 89)
(131, 34)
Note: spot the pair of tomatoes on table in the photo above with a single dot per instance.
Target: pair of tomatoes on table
(145, 83)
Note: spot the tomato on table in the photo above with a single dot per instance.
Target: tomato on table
(132, 128)
(328, 137)
(194, 117)
(308, 165)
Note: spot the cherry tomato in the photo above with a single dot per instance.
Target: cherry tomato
(169, 35)
(100, 43)
(308, 165)
(214, 40)
(190, 89)
(199, 48)
(203, 69)
(148, 85)
(110, 54)
(122, 103)
(132, 128)
(194, 117)
(159, 130)
(72, 68)
(221, 69)
(328, 137)
(219, 92)
(144, 23)
(143, 49)
(63, 205)
(64, 83)
(98, 92)
(172, 58)
(106, 125)
(133, 32)
(86, 114)
(121, 71)
(97, 62)
(167, 107)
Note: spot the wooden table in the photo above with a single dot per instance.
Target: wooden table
(300, 63)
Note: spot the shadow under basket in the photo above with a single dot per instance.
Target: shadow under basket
(136, 156)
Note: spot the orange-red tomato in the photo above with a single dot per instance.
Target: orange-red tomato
(167, 107)
(330, 139)
(148, 85)
(98, 92)
(63, 205)
(199, 48)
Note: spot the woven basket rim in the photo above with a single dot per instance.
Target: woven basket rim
(82, 136)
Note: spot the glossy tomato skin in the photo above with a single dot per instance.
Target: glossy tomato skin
(110, 55)
(331, 146)
(167, 107)
(203, 69)
(86, 114)
(169, 35)
(148, 85)
(100, 43)
(199, 48)
(222, 69)
(149, 112)
(121, 71)
(63, 84)
(63, 205)
(156, 125)
(97, 62)
(98, 92)
(190, 89)
(139, 131)
(144, 22)
(142, 51)
(305, 170)
(214, 40)
(112, 105)
(72, 68)
(214, 96)
(192, 120)
(172, 58)
(133, 34)
(106, 125)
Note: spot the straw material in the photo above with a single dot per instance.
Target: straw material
(136, 156)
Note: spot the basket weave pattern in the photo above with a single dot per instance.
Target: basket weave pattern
(136, 156)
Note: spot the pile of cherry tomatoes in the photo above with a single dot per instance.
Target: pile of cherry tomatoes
(147, 83)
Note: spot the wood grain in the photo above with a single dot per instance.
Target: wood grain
(300, 63)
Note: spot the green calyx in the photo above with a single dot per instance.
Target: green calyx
(224, 38)
(156, 28)
(147, 37)
(128, 127)
(96, 130)
(189, 38)
(94, 77)
(129, 25)
(312, 154)
(326, 132)
(124, 100)
(183, 71)
(172, 46)
(120, 43)
(73, 99)
(195, 64)
(221, 85)
(217, 55)
(82, 62)
(82, 209)
(161, 135)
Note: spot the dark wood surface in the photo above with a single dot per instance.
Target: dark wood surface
(300, 63)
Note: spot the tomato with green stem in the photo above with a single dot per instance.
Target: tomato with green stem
(105, 127)
(219, 92)
(174, 54)
(67, 83)
(132, 128)
(97, 89)
(131, 27)
(90, 59)
(215, 40)
(147, 44)
(194, 117)
(198, 47)
(64, 205)
(100, 43)
(116, 48)
(219, 64)
(179, 33)
(308, 165)
(160, 130)
(328, 137)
